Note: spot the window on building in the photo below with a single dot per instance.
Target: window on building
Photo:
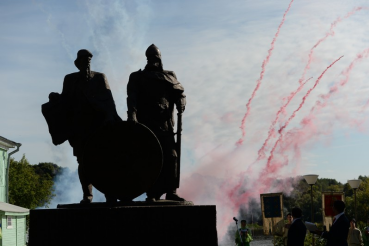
(9, 223)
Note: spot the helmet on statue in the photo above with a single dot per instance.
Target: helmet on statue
(153, 51)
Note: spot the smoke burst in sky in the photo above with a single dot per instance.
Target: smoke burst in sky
(258, 82)
(233, 189)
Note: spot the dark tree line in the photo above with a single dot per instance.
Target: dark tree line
(300, 197)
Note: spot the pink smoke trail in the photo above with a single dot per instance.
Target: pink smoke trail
(234, 192)
(343, 82)
(365, 106)
(320, 104)
(307, 123)
(261, 153)
(329, 33)
(258, 83)
(271, 168)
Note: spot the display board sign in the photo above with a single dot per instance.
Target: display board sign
(272, 206)
(272, 211)
(328, 199)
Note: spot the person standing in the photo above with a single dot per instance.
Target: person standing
(244, 232)
(297, 231)
(152, 94)
(286, 228)
(354, 236)
(366, 234)
(337, 236)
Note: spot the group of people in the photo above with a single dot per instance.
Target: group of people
(88, 104)
(342, 233)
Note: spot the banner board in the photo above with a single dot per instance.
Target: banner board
(328, 198)
(271, 210)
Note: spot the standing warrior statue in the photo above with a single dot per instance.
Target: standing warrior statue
(85, 104)
(152, 94)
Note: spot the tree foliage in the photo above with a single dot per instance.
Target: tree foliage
(28, 186)
(48, 169)
(301, 196)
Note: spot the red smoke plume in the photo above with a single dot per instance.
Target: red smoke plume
(258, 82)
(270, 168)
(261, 152)
(218, 180)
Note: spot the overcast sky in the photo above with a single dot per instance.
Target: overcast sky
(216, 48)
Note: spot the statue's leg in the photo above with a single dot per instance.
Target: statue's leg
(151, 195)
(85, 183)
(159, 188)
(110, 198)
(170, 160)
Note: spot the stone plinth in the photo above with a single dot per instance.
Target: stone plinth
(134, 223)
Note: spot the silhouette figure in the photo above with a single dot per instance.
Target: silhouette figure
(152, 95)
(85, 104)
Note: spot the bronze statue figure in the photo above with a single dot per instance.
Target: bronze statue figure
(85, 104)
(152, 94)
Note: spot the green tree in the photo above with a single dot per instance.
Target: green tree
(301, 197)
(27, 188)
(362, 201)
(48, 169)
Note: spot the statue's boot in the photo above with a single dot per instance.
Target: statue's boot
(150, 196)
(86, 200)
(150, 199)
(172, 195)
(111, 199)
(86, 186)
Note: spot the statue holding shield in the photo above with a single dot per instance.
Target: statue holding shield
(152, 94)
(85, 104)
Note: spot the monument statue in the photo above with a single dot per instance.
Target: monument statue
(85, 104)
(152, 94)
(123, 160)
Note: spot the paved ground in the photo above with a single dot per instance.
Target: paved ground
(258, 242)
(262, 243)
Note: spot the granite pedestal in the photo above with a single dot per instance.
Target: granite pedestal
(133, 223)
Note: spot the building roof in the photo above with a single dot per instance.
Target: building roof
(6, 143)
(6, 207)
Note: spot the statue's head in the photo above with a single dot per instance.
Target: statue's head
(153, 55)
(153, 52)
(83, 59)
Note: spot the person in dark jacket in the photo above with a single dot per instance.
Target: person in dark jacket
(297, 231)
(337, 235)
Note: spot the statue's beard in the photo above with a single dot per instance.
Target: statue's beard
(86, 72)
(154, 65)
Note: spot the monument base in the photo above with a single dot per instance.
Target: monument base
(134, 223)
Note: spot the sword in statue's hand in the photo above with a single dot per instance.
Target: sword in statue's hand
(178, 144)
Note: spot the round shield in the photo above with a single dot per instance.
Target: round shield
(123, 160)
